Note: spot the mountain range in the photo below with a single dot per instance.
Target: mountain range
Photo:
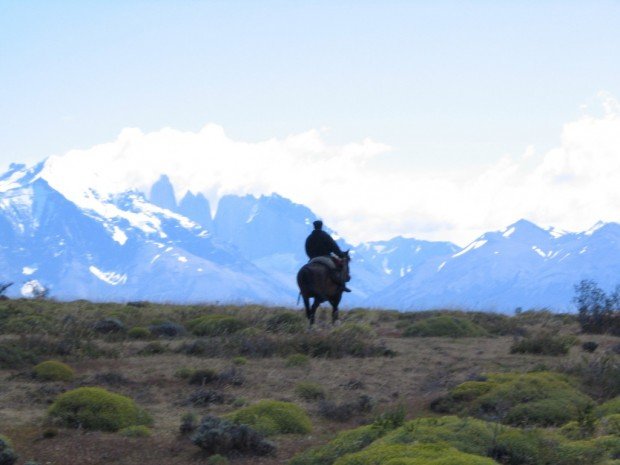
(133, 245)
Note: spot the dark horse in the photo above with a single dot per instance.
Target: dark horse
(314, 281)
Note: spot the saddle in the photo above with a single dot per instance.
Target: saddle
(326, 261)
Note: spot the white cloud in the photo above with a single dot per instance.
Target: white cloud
(571, 186)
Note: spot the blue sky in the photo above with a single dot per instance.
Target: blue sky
(444, 83)
(447, 85)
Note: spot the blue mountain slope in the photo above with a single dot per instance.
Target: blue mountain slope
(122, 246)
(522, 266)
(79, 253)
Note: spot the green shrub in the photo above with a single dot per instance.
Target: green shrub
(466, 434)
(610, 425)
(53, 370)
(13, 356)
(297, 360)
(476, 441)
(189, 422)
(7, 454)
(273, 417)
(217, 459)
(543, 344)
(97, 409)
(28, 324)
(310, 391)
(215, 325)
(139, 332)
(239, 361)
(412, 454)
(538, 398)
(444, 326)
(345, 442)
(285, 322)
(203, 376)
(153, 348)
(608, 408)
(136, 431)
(600, 376)
(184, 373)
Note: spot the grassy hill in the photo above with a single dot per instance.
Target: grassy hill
(359, 393)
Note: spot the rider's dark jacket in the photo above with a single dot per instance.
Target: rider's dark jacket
(319, 243)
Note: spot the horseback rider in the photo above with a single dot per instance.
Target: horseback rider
(320, 244)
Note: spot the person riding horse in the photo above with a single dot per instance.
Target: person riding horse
(319, 247)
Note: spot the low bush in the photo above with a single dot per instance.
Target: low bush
(345, 442)
(538, 398)
(310, 391)
(111, 378)
(297, 360)
(610, 425)
(413, 454)
(153, 348)
(346, 410)
(203, 397)
(215, 325)
(14, 356)
(189, 423)
(7, 454)
(109, 326)
(239, 361)
(285, 322)
(139, 332)
(543, 344)
(599, 376)
(136, 431)
(217, 459)
(610, 407)
(589, 346)
(485, 440)
(273, 417)
(203, 376)
(184, 373)
(97, 409)
(444, 326)
(167, 329)
(219, 436)
(53, 370)
(231, 376)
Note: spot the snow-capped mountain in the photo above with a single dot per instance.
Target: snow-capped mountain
(84, 243)
(120, 247)
(111, 243)
(399, 256)
(522, 266)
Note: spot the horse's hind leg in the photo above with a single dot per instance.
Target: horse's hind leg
(307, 306)
(315, 305)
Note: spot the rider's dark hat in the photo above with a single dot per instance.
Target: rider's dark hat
(318, 224)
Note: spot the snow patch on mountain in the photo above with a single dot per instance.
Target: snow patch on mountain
(473, 246)
(109, 277)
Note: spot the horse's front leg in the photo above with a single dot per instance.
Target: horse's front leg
(334, 303)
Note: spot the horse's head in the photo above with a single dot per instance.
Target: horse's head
(346, 258)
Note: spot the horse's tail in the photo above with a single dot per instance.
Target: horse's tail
(298, 298)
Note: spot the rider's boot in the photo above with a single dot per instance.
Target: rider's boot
(338, 280)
